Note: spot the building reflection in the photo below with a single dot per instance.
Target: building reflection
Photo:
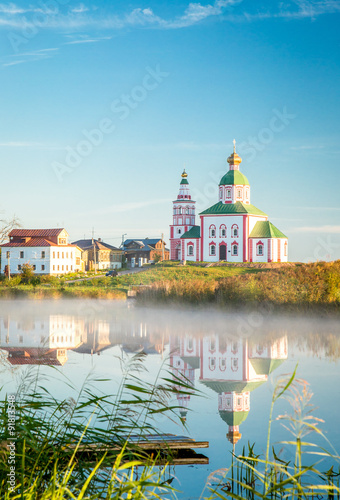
(230, 367)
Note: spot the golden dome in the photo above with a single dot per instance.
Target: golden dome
(234, 158)
(184, 175)
(234, 436)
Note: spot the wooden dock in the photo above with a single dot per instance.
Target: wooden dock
(168, 448)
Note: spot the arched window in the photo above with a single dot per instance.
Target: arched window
(223, 230)
(174, 210)
(212, 249)
(221, 192)
(190, 250)
(212, 363)
(187, 210)
(234, 364)
(234, 230)
(212, 231)
(179, 231)
(180, 210)
(260, 248)
(228, 193)
(239, 193)
(234, 249)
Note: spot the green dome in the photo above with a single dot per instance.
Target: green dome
(234, 177)
(233, 417)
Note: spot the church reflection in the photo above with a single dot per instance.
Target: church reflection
(232, 368)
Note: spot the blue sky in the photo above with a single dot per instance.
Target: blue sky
(156, 85)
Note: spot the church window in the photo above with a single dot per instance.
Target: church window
(212, 346)
(235, 249)
(212, 231)
(187, 210)
(220, 193)
(179, 210)
(239, 193)
(223, 231)
(212, 363)
(228, 193)
(234, 364)
(179, 231)
(260, 250)
(285, 249)
(187, 220)
(190, 250)
(234, 230)
(212, 250)
(223, 364)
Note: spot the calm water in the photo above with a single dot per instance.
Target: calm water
(233, 359)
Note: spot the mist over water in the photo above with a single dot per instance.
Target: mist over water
(232, 358)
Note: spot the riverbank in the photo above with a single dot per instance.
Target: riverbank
(292, 285)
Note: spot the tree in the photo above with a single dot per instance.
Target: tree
(27, 273)
(6, 226)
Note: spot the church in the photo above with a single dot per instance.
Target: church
(232, 230)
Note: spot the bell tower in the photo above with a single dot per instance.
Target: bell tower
(183, 217)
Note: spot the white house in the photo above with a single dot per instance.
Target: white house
(232, 230)
(47, 250)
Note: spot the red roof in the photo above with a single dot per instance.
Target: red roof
(35, 233)
(35, 242)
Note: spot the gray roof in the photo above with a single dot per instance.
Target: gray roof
(100, 245)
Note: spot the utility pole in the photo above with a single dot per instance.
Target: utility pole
(94, 252)
(9, 264)
(122, 245)
(163, 255)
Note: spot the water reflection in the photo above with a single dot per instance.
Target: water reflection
(231, 368)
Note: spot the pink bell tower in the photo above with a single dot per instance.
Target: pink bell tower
(183, 217)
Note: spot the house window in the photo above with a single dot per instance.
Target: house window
(190, 250)
(19, 267)
(62, 241)
(54, 255)
(34, 267)
(212, 250)
(66, 268)
(71, 268)
(57, 255)
(58, 268)
(21, 339)
(62, 255)
(259, 249)
(235, 249)
(43, 267)
(62, 268)
(78, 261)
(22, 255)
(8, 254)
(53, 268)
(66, 255)
(43, 254)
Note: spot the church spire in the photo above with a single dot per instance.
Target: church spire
(234, 159)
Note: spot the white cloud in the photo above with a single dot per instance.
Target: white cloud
(24, 57)
(80, 9)
(81, 16)
(88, 40)
(28, 144)
(317, 229)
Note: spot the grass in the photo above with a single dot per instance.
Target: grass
(304, 286)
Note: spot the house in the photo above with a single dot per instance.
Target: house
(99, 255)
(47, 250)
(231, 230)
(144, 251)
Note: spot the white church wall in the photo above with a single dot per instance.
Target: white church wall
(229, 221)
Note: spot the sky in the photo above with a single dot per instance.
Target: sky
(104, 103)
